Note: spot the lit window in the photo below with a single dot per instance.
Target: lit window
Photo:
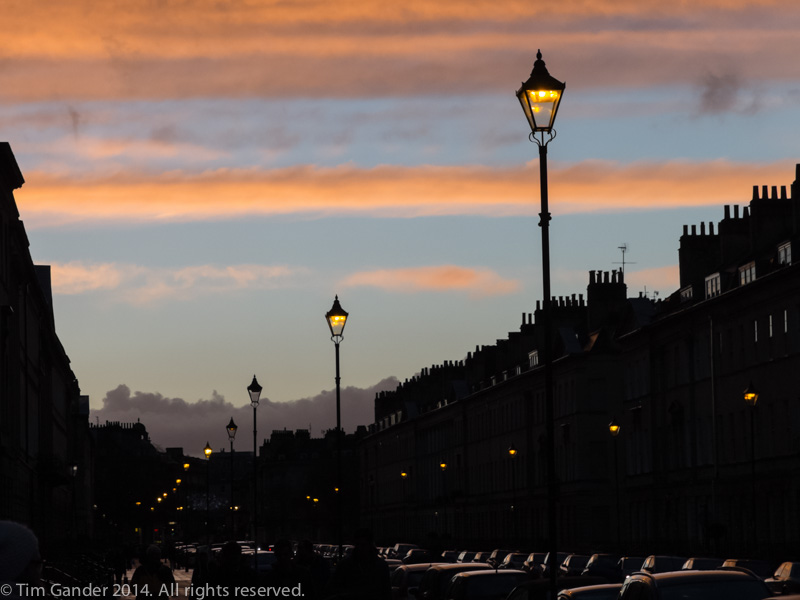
(713, 286)
(747, 273)
(785, 254)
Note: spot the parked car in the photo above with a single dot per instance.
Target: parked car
(436, 579)
(702, 564)
(497, 556)
(574, 564)
(483, 585)
(481, 557)
(546, 562)
(449, 556)
(762, 568)
(720, 584)
(406, 578)
(515, 560)
(539, 589)
(605, 566)
(534, 562)
(629, 565)
(785, 579)
(399, 550)
(466, 556)
(656, 563)
(416, 556)
(603, 591)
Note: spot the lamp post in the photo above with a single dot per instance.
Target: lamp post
(207, 451)
(404, 501)
(337, 318)
(540, 97)
(751, 397)
(613, 429)
(254, 390)
(231, 429)
(443, 467)
(512, 455)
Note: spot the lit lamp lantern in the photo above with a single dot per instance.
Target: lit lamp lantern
(540, 96)
(336, 317)
(614, 428)
(751, 394)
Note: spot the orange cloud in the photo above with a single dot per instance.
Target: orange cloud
(78, 50)
(143, 285)
(478, 282)
(664, 280)
(391, 191)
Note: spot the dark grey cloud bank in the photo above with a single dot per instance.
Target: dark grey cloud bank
(174, 422)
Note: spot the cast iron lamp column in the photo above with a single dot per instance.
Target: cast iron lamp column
(512, 455)
(751, 397)
(540, 97)
(231, 429)
(613, 429)
(207, 451)
(255, 395)
(337, 318)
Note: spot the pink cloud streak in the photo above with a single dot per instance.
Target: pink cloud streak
(390, 191)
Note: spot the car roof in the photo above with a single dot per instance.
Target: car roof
(674, 577)
(451, 566)
(491, 573)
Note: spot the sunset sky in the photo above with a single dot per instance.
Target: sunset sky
(203, 177)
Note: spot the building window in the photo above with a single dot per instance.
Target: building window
(713, 286)
(785, 320)
(785, 254)
(770, 326)
(747, 273)
(533, 358)
(755, 332)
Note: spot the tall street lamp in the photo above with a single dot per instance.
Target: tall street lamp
(207, 451)
(254, 390)
(512, 455)
(540, 97)
(337, 318)
(613, 429)
(443, 467)
(231, 429)
(751, 397)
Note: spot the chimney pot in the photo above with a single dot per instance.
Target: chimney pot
(728, 208)
(735, 211)
(774, 192)
(783, 192)
(694, 230)
(703, 228)
(755, 192)
(764, 194)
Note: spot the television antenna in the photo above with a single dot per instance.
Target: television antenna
(624, 248)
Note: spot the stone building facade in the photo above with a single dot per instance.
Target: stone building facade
(681, 476)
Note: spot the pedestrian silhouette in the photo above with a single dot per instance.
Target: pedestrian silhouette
(315, 570)
(229, 573)
(152, 578)
(363, 575)
(20, 561)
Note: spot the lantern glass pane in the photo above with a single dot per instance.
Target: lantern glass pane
(543, 105)
(337, 323)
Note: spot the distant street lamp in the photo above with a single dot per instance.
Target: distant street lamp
(614, 429)
(540, 97)
(254, 390)
(512, 455)
(443, 468)
(337, 318)
(207, 451)
(231, 429)
(751, 397)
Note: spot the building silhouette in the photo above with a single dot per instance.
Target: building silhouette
(46, 455)
(671, 372)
